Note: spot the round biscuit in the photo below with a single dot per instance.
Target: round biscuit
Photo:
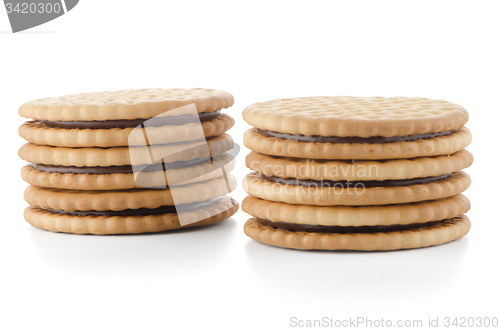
(124, 104)
(444, 145)
(102, 225)
(123, 181)
(72, 200)
(356, 116)
(115, 156)
(425, 236)
(417, 212)
(255, 185)
(37, 133)
(358, 170)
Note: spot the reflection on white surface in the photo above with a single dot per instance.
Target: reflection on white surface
(357, 279)
(166, 255)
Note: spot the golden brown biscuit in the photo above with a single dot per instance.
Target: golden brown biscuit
(356, 116)
(125, 104)
(359, 170)
(444, 145)
(224, 208)
(115, 156)
(39, 134)
(72, 200)
(423, 236)
(122, 181)
(341, 195)
(417, 212)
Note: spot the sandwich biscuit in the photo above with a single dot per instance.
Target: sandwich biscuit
(352, 173)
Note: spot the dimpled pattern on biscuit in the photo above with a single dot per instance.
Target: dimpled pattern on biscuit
(125, 104)
(418, 212)
(444, 145)
(226, 207)
(255, 185)
(359, 170)
(123, 181)
(39, 134)
(435, 234)
(113, 156)
(356, 116)
(71, 200)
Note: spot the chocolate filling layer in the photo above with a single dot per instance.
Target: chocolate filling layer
(138, 212)
(349, 229)
(346, 184)
(122, 124)
(125, 169)
(350, 140)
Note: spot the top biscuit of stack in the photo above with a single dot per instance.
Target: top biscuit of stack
(413, 127)
(105, 119)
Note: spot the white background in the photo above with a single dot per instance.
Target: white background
(216, 277)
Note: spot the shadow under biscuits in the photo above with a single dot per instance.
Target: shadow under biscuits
(164, 255)
(351, 279)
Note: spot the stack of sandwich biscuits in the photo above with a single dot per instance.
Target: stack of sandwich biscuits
(108, 162)
(352, 173)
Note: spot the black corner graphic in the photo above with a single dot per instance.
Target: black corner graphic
(26, 14)
(70, 4)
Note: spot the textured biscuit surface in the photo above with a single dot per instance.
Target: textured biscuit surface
(122, 181)
(105, 157)
(356, 116)
(444, 145)
(42, 219)
(39, 134)
(418, 212)
(255, 185)
(71, 200)
(125, 104)
(359, 170)
(425, 236)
